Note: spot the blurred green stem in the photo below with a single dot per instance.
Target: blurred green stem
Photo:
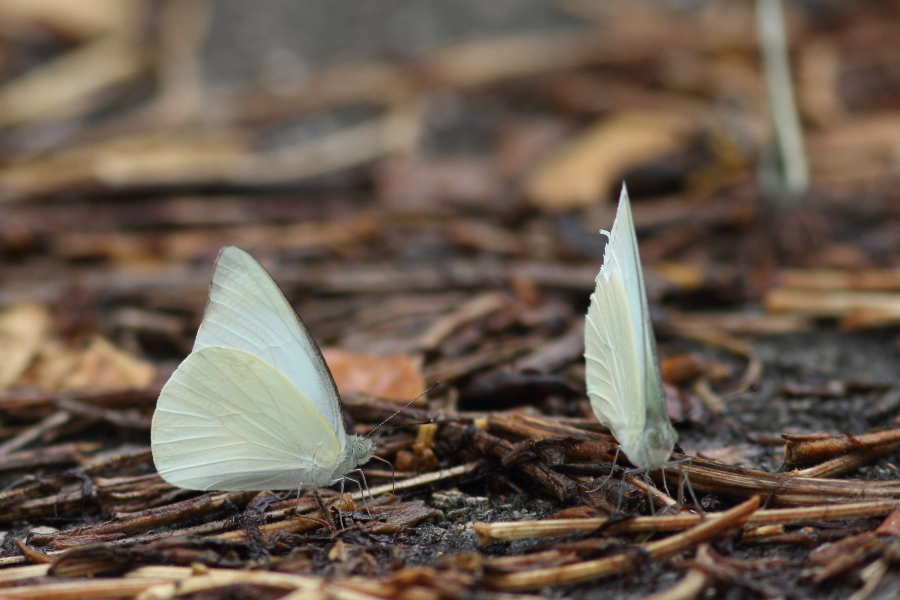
(786, 173)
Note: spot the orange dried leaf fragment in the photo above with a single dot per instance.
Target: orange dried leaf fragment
(398, 377)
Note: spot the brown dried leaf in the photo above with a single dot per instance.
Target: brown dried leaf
(177, 163)
(421, 460)
(97, 366)
(398, 377)
(63, 87)
(145, 158)
(482, 62)
(856, 309)
(682, 368)
(23, 330)
(583, 171)
(82, 19)
(130, 247)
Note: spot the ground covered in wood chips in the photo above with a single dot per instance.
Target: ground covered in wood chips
(426, 181)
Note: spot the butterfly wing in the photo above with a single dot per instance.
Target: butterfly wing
(622, 372)
(246, 311)
(227, 420)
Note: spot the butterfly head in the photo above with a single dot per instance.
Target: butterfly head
(653, 447)
(361, 449)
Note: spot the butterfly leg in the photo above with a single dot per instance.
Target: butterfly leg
(650, 501)
(340, 502)
(647, 482)
(297, 505)
(625, 472)
(612, 470)
(665, 483)
(362, 493)
(686, 481)
(621, 489)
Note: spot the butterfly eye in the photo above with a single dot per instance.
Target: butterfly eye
(360, 449)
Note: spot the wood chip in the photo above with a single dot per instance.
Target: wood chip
(583, 172)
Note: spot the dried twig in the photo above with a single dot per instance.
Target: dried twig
(489, 533)
(594, 569)
(55, 420)
(808, 449)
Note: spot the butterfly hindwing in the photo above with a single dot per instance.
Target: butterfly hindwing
(226, 420)
(611, 354)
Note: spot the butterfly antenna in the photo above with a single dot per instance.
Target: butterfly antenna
(405, 406)
(753, 387)
(719, 401)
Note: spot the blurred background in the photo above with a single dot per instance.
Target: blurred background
(392, 161)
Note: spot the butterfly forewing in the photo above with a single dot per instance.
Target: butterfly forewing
(247, 311)
(622, 373)
(621, 256)
(227, 420)
(613, 381)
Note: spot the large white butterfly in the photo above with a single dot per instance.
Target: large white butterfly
(622, 371)
(253, 406)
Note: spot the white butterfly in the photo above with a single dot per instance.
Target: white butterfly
(622, 371)
(253, 406)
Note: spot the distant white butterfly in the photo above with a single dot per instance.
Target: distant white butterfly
(253, 406)
(622, 371)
